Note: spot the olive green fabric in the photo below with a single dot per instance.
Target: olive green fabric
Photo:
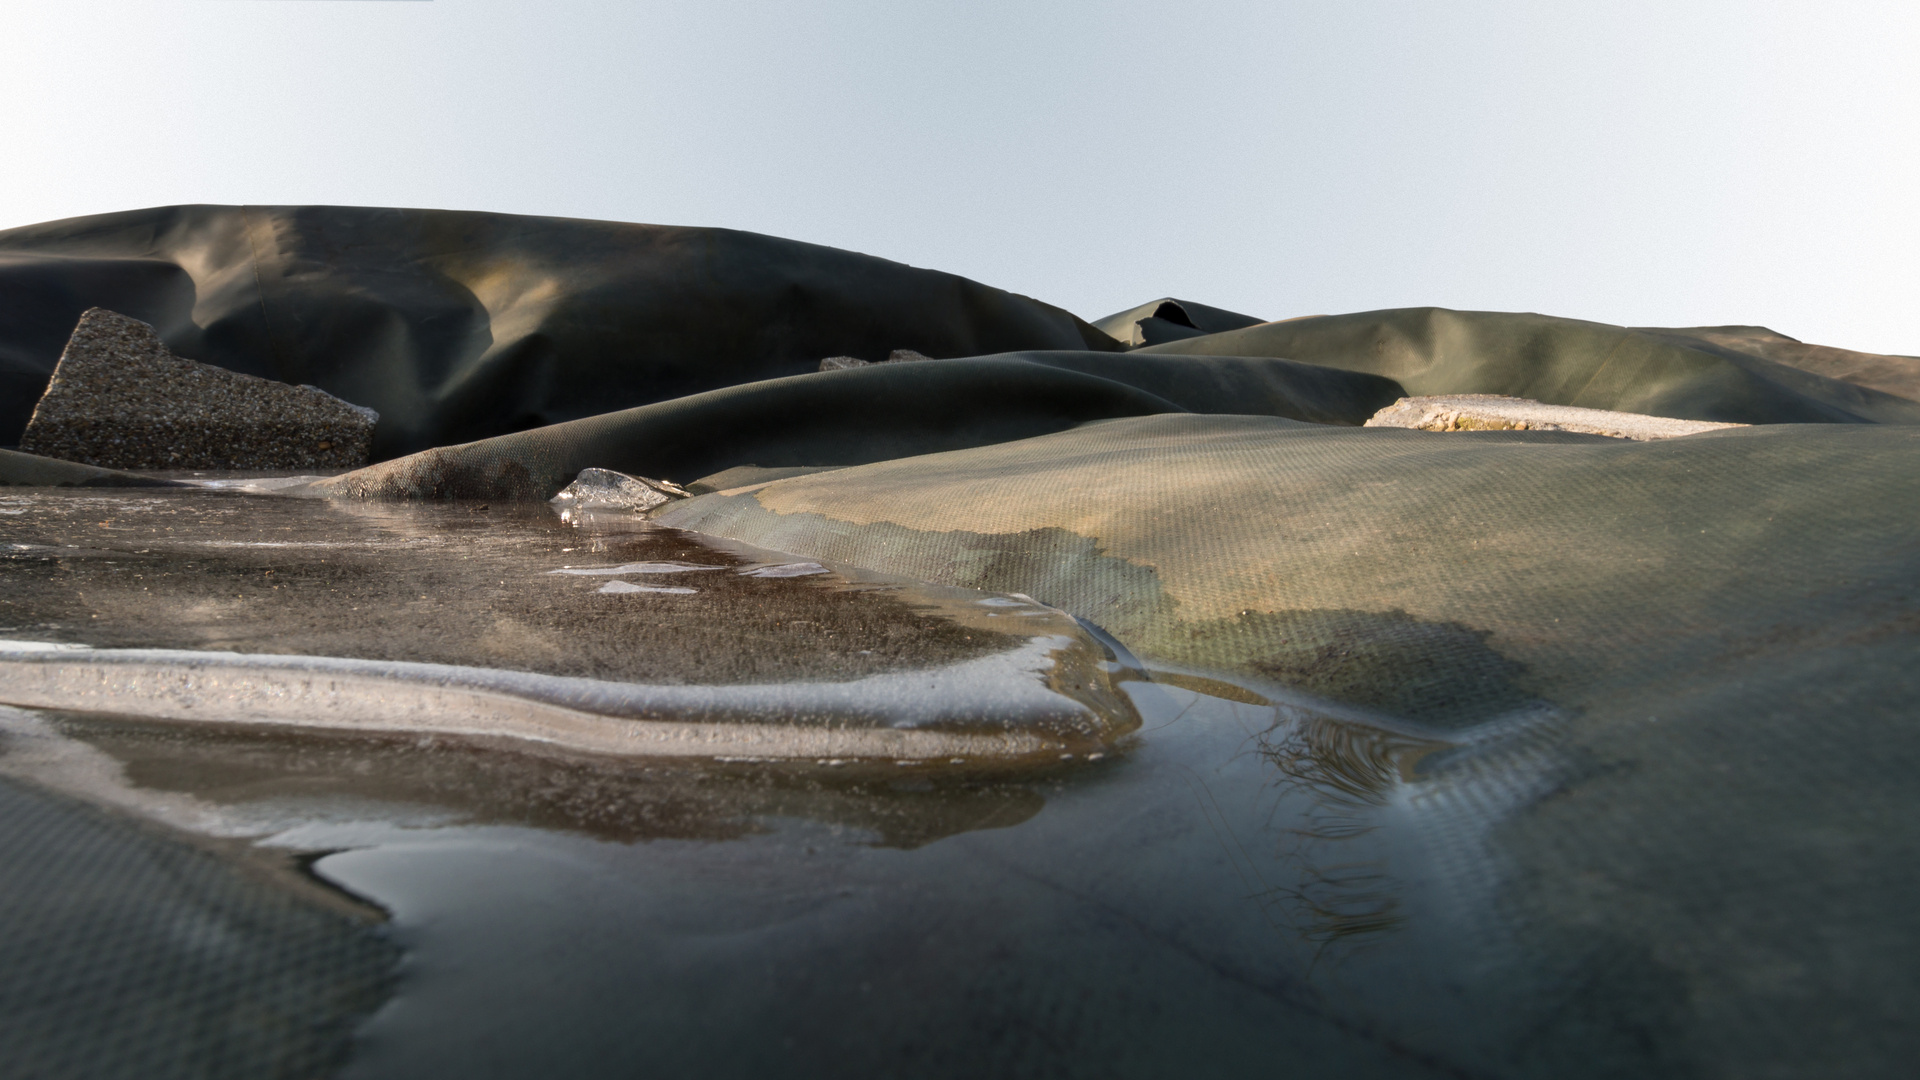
(126, 951)
(1665, 689)
(1246, 385)
(34, 470)
(748, 475)
(867, 414)
(1565, 362)
(1342, 369)
(1168, 319)
(459, 326)
(1512, 567)
(1897, 375)
(843, 417)
(1644, 709)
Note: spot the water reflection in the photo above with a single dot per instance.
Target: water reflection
(259, 782)
(1235, 885)
(1335, 778)
(461, 620)
(1249, 878)
(436, 584)
(1350, 774)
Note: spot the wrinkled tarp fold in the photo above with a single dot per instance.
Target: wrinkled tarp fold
(869, 414)
(1666, 688)
(1689, 375)
(1664, 691)
(458, 326)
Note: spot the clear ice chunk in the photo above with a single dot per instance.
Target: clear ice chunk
(615, 490)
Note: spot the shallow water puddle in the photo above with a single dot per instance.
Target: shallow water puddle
(746, 813)
(471, 621)
(1204, 897)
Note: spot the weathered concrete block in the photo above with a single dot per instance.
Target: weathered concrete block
(120, 400)
(1496, 412)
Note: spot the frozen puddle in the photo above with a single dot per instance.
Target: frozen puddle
(996, 707)
(786, 570)
(630, 587)
(634, 568)
(222, 608)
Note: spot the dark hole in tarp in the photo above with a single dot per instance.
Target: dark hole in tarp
(1171, 311)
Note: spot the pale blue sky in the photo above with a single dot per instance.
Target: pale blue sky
(1651, 163)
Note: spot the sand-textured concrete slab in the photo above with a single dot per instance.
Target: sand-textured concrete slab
(120, 400)
(1496, 412)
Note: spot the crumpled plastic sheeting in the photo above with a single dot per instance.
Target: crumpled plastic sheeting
(459, 326)
(1664, 690)
(1591, 565)
(128, 953)
(34, 470)
(836, 417)
(1677, 677)
(866, 414)
(1751, 378)
(1168, 319)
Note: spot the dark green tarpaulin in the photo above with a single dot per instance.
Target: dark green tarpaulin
(1168, 319)
(457, 326)
(33, 470)
(869, 414)
(465, 326)
(1650, 706)
(1692, 375)
(1669, 685)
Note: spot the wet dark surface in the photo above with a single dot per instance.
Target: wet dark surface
(480, 784)
(1186, 905)
(130, 950)
(589, 630)
(1103, 917)
(455, 584)
(1238, 886)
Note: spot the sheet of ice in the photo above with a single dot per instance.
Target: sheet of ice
(786, 570)
(636, 568)
(1001, 706)
(255, 484)
(630, 587)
